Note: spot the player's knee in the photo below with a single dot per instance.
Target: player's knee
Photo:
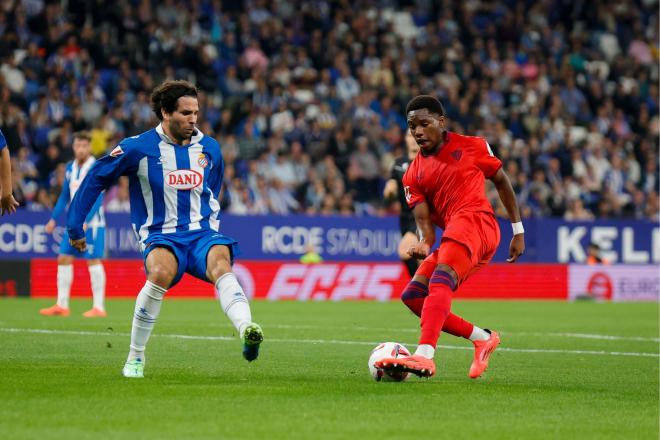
(64, 259)
(219, 267)
(444, 274)
(414, 290)
(161, 275)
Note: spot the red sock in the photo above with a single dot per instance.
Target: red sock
(414, 296)
(437, 307)
(457, 326)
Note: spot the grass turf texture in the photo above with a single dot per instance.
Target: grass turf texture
(70, 386)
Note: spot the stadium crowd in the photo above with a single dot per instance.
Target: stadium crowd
(307, 98)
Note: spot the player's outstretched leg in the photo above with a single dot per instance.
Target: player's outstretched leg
(147, 309)
(436, 308)
(482, 351)
(485, 341)
(64, 281)
(97, 279)
(235, 305)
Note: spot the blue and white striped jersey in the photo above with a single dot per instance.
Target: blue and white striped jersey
(75, 174)
(173, 188)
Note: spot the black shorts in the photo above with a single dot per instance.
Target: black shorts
(407, 224)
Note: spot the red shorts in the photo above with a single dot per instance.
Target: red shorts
(468, 243)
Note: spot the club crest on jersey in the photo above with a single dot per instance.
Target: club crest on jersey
(406, 191)
(456, 154)
(117, 151)
(183, 179)
(202, 160)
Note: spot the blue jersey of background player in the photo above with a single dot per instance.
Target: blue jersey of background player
(175, 175)
(7, 202)
(94, 224)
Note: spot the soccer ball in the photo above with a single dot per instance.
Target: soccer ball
(383, 351)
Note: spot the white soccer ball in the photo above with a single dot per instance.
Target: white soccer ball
(383, 351)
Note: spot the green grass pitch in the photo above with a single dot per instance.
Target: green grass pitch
(556, 375)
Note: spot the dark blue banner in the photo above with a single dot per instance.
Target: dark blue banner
(350, 238)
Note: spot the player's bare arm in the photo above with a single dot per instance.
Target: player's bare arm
(389, 192)
(8, 204)
(425, 231)
(508, 197)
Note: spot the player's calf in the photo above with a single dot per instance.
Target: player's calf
(414, 295)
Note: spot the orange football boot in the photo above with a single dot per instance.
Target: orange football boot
(415, 364)
(55, 311)
(482, 352)
(95, 313)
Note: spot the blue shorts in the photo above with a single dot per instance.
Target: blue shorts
(95, 238)
(190, 249)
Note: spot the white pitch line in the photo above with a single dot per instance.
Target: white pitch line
(416, 330)
(588, 336)
(326, 341)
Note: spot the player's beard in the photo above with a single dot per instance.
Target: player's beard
(181, 134)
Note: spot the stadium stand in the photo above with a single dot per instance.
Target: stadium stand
(307, 98)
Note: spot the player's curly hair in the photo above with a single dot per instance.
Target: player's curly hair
(431, 103)
(165, 96)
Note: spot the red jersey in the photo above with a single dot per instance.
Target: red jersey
(452, 180)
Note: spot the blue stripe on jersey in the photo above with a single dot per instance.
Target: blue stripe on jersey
(183, 196)
(138, 206)
(155, 171)
(206, 207)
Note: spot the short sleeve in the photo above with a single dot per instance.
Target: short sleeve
(411, 190)
(485, 159)
(3, 141)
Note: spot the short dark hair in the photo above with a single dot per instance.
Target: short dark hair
(165, 96)
(431, 103)
(82, 135)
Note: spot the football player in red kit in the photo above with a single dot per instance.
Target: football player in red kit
(444, 186)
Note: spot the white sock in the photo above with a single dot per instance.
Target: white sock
(64, 280)
(479, 334)
(147, 309)
(425, 350)
(233, 301)
(97, 277)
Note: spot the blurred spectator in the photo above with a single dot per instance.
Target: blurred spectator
(308, 104)
(311, 256)
(119, 199)
(41, 201)
(593, 255)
